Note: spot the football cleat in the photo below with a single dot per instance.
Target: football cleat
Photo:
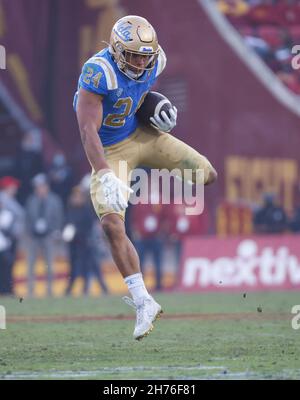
(147, 312)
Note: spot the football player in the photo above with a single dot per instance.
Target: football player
(112, 86)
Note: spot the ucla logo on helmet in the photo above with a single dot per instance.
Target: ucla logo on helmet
(124, 31)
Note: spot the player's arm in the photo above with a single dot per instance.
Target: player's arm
(89, 112)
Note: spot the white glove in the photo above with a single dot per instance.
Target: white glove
(166, 124)
(112, 188)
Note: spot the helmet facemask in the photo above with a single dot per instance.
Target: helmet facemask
(129, 64)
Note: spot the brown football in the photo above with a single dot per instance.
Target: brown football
(154, 103)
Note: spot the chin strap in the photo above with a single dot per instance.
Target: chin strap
(132, 74)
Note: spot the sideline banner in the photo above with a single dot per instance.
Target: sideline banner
(253, 263)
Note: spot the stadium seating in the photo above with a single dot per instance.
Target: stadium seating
(278, 24)
(273, 35)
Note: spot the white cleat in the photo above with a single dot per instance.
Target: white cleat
(146, 313)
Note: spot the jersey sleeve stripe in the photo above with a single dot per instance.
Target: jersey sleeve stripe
(113, 75)
(109, 73)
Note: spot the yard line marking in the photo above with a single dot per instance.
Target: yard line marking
(197, 316)
(104, 371)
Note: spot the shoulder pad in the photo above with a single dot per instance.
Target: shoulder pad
(161, 62)
(98, 75)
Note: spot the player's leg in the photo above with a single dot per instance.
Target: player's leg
(96, 269)
(48, 248)
(127, 261)
(32, 248)
(113, 225)
(157, 251)
(162, 150)
(74, 267)
(123, 251)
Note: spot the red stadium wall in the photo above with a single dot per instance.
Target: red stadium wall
(224, 111)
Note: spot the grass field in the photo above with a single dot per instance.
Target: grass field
(200, 336)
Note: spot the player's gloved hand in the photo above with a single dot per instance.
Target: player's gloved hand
(165, 123)
(112, 188)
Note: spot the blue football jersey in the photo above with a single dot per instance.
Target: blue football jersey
(122, 96)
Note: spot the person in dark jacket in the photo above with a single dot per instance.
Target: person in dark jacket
(44, 220)
(271, 217)
(8, 190)
(6, 235)
(29, 162)
(79, 234)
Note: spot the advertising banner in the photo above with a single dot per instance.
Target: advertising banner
(252, 263)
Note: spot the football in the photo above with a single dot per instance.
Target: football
(154, 103)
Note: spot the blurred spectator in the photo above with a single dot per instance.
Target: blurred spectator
(99, 252)
(8, 190)
(6, 228)
(180, 225)
(60, 177)
(79, 233)
(270, 218)
(294, 223)
(271, 29)
(44, 220)
(260, 46)
(148, 234)
(85, 183)
(29, 162)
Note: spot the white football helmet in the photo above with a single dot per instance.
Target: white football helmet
(134, 47)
